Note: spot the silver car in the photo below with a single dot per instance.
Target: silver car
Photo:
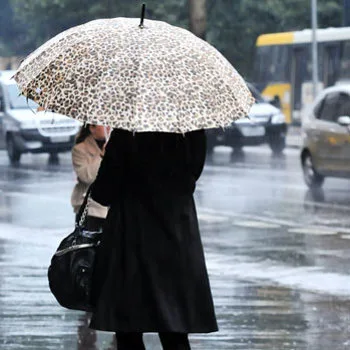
(27, 131)
(326, 136)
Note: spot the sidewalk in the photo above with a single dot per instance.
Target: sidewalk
(294, 139)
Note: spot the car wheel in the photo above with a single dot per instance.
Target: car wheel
(12, 151)
(210, 149)
(277, 145)
(237, 151)
(238, 148)
(312, 178)
(237, 154)
(53, 158)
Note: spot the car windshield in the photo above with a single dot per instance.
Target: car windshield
(18, 101)
(256, 94)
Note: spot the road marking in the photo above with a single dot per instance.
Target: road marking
(211, 219)
(37, 196)
(303, 278)
(242, 168)
(234, 216)
(309, 230)
(38, 171)
(255, 224)
(294, 227)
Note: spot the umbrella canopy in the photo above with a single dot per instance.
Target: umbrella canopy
(155, 77)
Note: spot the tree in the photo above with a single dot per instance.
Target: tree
(198, 17)
(49, 17)
(11, 32)
(231, 25)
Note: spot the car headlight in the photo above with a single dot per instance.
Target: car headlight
(278, 118)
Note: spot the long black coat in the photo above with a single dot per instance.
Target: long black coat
(150, 274)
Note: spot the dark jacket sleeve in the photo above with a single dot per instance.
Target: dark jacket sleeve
(109, 178)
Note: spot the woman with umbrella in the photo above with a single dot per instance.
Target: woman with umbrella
(159, 87)
(150, 274)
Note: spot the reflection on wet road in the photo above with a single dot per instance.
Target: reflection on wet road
(277, 254)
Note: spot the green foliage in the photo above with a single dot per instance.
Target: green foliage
(11, 31)
(49, 17)
(233, 25)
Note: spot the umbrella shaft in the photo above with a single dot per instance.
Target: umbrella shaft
(143, 10)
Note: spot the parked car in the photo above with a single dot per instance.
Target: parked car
(26, 130)
(266, 124)
(326, 136)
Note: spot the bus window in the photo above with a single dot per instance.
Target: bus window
(272, 65)
(330, 64)
(280, 59)
(299, 65)
(261, 67)
(345, 60)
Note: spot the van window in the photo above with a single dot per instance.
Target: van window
(18, 101)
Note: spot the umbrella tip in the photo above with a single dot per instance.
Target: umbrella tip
(143, 11)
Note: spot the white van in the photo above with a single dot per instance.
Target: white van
(25, 130)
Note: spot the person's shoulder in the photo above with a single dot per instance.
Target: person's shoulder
(79, 147)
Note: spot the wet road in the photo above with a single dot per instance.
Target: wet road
(277, 254)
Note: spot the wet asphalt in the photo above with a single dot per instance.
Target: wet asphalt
(277, 254)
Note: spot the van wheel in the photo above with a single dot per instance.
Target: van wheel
(12, 151)
(312, 178)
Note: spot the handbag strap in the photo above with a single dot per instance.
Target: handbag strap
(83, 211)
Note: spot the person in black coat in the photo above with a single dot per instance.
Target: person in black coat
(150, 273)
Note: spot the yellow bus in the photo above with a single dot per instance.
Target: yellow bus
(283, 66)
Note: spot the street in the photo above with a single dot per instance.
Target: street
(277, 255)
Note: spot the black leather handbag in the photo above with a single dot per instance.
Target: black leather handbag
(71, 269)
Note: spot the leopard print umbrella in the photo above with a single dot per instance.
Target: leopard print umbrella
(155, 77)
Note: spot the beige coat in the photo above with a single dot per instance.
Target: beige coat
(86, 157)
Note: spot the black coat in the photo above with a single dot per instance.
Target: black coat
(150, 272)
